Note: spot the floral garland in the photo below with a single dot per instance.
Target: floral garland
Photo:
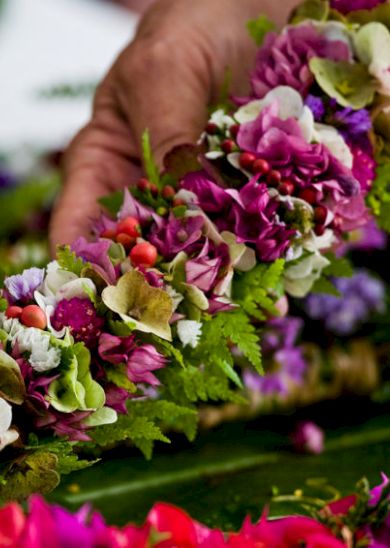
(361, 519)
(120, 337)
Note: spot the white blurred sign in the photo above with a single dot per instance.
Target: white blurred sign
(45, 43)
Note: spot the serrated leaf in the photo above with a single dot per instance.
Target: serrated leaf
(258, 28)
(230, 373)
(118, 376)
(68, 260)
(339, 267)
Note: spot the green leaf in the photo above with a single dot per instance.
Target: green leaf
(379, 197)
(118, 376)
(230, 373)
(380, 13)
(12, 386)
(257, 290)
(259, 27)
(68, 260)
(317, 10)
(113, 202)
(324, 285)
(151, 169)
(35, 473)
(3, 305)
(339, 267)
(349, 83)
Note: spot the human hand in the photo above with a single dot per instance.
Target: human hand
(162, 81)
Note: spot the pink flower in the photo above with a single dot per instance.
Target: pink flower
(308, 438)
(140, 360)
(204, 270)
(12, 523)
(282, 144)
(174, 235)
(346, 6)
(96, 253)
(284, 58)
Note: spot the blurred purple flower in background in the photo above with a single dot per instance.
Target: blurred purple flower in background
(285, 364)
(361, 296)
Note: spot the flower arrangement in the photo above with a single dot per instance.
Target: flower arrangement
(361, 519)
(122, 336)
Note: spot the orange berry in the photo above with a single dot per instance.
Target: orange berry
(33, 316)
(143, 254)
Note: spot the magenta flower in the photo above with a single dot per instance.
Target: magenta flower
(281, 143)
(68, 425)
(250, 213)
(116, 398)
(284, 58)
(175, 235)
(140, 360)
(131, 207)
(363, 165)
(96, 253)
(308, 438)
(346, 6)
(204, 270)
(21, 287)
(80, 315)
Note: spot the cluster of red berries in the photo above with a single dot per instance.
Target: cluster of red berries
(127, 232)
(30, 316)
(168, 192)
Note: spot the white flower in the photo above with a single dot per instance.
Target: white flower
(189, 332)
(334, 141)
(372, 44)
(175, 296)
(7, 434)
(43, 356)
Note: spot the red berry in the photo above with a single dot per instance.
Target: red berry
(129, 226)
(143, 185)
(125, 239)
(177, 202)
(247, 159)
(153, 189)
(309, 195)
(261, 166)
(109, 233)
(274, 178)
(319, 230)
(212, 129)
(234, 130)
(320, 214)
(286, 188)
(168, 192)
(337, 222)
(14, 312)
(143, 254)
(228, 146)
(33, 316)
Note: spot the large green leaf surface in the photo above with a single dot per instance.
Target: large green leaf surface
(231, 472)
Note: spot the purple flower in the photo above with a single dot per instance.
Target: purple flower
(353, 123)
(116, 398)
(363, 165)
(140, 360)
(204, 270)
(367, 238)
(7, 179)
(281, 143)
(317, 106)
(175, 235)
(346, 6)
(80, 315)
(361, 295)
(285, 364)
(249, 213)
(284, 58)
(96, 253)
(308, 438)
(68, 425)
(379, 537)
(131, 207)
(21, 287)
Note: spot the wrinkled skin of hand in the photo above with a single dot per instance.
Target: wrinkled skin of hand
(163, 81)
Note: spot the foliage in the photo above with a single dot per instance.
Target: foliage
(339, 267)
(68, 260)
(259, 27)
(379, 197)
(151, 169)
